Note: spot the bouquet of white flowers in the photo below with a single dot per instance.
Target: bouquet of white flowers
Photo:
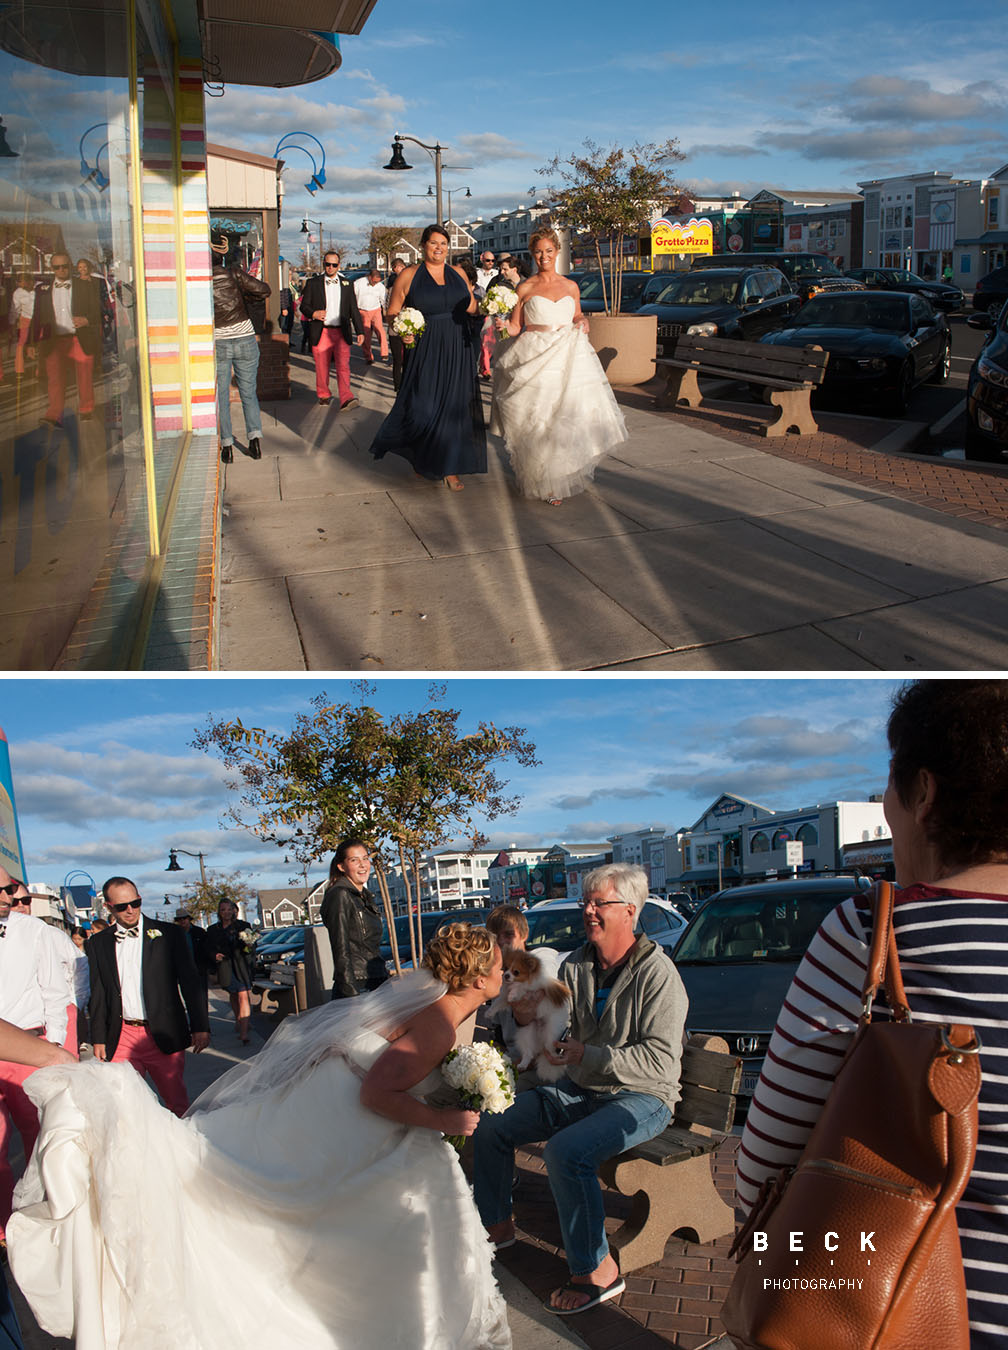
(249, 938)
(498, 302)
(483, 1078)
(409, 323)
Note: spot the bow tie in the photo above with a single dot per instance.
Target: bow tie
(332, 281)
(62, 285)
(3, 929)
(123, 933)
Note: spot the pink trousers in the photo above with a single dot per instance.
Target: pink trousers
(138, 1047)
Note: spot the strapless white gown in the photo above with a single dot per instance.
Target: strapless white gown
(302, 1221)
(553, 404)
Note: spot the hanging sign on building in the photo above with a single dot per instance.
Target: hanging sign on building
(682, 236)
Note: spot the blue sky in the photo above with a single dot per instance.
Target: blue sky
(757, 95)
(105, 778)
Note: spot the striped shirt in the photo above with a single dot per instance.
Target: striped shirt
(243, 328)
(953, 952)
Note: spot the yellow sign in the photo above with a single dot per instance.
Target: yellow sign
(680, 236)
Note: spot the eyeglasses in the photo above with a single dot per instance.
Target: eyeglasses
(9, 890)
(599, 904)
(128, 904)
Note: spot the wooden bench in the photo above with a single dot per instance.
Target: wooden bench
(670, 1178)
(284, 992)
(789, 373)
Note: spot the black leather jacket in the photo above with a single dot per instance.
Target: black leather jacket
(355, 930)
(230, 286)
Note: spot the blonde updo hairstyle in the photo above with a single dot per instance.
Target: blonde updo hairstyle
(458, 954)
(551, 235)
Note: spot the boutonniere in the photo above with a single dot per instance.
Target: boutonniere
(154, 933)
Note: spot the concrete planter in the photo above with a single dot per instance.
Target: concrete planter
(626, 345)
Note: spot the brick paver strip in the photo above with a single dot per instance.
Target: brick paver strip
(844, 448)
(676, 1302)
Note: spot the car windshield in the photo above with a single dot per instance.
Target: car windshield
(701, 288)
(562, 929)
(855, 309)
(907, 278)
(816, 267)
(755, 928)
(590, 287)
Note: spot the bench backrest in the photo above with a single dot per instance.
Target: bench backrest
(789, 363)
(709, 1080)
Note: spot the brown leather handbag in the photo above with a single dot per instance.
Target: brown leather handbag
(876, 1261)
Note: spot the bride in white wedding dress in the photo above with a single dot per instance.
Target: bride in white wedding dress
(551, 400)
(307, 1200)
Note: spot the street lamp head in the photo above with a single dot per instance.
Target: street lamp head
(398, 160)
(304, 227)
(173, 863)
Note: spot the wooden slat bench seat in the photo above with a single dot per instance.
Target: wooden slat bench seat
(789, 373)
(670, 1178)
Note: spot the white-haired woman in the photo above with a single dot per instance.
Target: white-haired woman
(551, 400)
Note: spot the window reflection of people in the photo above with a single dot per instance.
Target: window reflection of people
(66, 328)
(22, 303)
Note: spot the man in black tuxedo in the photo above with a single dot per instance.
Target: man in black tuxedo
(195, 939)
(141, 975)
(329, 307)
(66, 326)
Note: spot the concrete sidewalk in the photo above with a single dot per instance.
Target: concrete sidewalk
(701, 547)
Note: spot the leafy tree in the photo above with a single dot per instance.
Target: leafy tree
(403, 786)
(382, 241)
(206, 896)
(609, 194)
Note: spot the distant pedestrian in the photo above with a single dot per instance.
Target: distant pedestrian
(286, 310)
(229, 954)
(510, 276)
(372, 297)
(235, 348)
(486, 269)
(947, 273)
(330, 306)
(195, 937)
(395, 341)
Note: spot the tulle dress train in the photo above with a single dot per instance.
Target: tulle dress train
(553, 404)
(280, 1212)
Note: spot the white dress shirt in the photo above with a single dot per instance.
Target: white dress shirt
(484, 274)
(23, 304)
(62, 296)
(129, 961)
(368, 296)
(34, 989)
(332, 301)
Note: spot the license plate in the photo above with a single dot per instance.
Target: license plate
(748, 1084)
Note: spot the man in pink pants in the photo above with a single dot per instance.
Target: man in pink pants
(66, 326)
(329, 306)
(371, 301)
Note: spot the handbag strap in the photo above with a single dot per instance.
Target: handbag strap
(883, 959)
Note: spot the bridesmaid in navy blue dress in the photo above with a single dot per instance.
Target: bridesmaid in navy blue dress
(437, 420)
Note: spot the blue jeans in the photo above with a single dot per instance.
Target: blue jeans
(583, 1128)
(243, 354)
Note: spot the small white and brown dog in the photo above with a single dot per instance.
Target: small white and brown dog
(526, 974)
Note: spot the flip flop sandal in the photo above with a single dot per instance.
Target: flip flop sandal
(599, 1295)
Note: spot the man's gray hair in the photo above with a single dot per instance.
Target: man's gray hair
(629, 882)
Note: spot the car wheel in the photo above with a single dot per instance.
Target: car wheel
(980, 448)
(941, 371)
(900, 399)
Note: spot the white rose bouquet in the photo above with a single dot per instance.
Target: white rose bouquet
(409, 323)
(483, 1078)
(249, 938)
(498, 303)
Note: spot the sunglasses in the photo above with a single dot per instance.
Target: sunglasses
(129, 904)
(9, 890)
(328, 265)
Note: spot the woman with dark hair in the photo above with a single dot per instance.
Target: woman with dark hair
(353, 922)
(320, 1161)
(947, 808)
(436, 421)
(229, 953)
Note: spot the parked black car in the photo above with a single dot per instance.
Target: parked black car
(942, 296)
(991, 291)
(987, 391)
(728, 302)
(881, 345)
(808, 273)
(637, 289)
(430, 922)
(740, 952)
